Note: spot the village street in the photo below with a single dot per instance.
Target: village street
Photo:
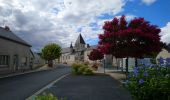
(95, 87)
(21, 86)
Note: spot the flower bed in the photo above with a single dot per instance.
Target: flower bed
(149, 83)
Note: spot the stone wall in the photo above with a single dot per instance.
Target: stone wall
(13, 49)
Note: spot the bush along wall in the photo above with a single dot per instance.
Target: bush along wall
(81, 69)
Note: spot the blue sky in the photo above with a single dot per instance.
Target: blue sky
(40, 22)
(157, 13)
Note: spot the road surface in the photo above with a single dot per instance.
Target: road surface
(21, 86)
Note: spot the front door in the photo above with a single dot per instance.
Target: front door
(15, 62)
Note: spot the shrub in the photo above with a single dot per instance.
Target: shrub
(48, 96)
(79, 69)
(86, 63)
(82, 69)
(75, 68)
(149, 83)
(45, 96)
(94, 66)
(87, 71)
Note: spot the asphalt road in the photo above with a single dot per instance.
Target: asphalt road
(96, 87)
(21, 86)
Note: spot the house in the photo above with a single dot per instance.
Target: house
(131, 62)
(38, 61)
(14, 52)
(74, 53)
(165, 53)
(79, 53)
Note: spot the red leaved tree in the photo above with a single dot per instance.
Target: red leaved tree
(95, 55)
(136, 38)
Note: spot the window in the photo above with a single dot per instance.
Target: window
(27, 60)
(24, 61)
(68, 57)
(4, 60)
(88, 53)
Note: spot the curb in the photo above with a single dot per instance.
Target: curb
(117, 79)
(32, 97)
(27, 72)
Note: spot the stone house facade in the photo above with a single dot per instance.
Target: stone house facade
(77, 53)
(14, 52)
(80, 51)
(165, 53)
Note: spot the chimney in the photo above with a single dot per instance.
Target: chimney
(88, 46)
(7, 28)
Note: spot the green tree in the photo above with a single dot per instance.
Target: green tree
(50, 52)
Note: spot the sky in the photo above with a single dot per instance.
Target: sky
(40, 22)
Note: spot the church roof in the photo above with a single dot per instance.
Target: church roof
(66, 50)
(92, 47)
(80, 40)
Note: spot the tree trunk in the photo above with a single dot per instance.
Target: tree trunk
(50, 63)
(127, 66)
(117, 63)
(136, 62)
(122, 65)
(58, 60)
(95, 61)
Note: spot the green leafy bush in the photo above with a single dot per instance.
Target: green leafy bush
(149, 83)
(87, 71)
(47, 96)
(86, 63)
(81, 69)
(75, 68)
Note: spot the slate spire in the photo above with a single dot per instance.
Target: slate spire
(80, 40)
(71, 46)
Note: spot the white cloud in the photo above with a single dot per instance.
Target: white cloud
(165, 32)
(40, 21)
(148, 2)
(83, 11)
(128, 17)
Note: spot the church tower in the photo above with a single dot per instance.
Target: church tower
(71, 48)
(79, 48)
(80, 43)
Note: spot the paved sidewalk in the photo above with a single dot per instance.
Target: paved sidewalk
(116, 74)
(97, 87)
(44, 67)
